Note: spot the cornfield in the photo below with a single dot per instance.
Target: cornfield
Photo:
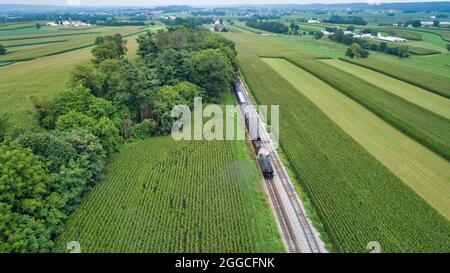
(162, 195)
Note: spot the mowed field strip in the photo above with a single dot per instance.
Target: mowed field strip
(435, 103)
(22, 82)
(424, 171)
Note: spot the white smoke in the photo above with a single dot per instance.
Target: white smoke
(73, 2)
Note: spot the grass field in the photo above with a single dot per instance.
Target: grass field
(185, 196)
(412, 93)
(429, 81)
(44, 77)
(54, 43)
(422, 125)
(436, 63)
(425, 172)
(357, 198)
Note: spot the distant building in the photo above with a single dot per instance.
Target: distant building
(363, 35)
(69, 23)
(326, 33)
(426, 23)
(313, 22)
(391, 39)
(219, 27)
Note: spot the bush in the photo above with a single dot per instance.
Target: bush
(364, 53)
(144, 129)
(2, 50)
(318, 35)
(54, 150)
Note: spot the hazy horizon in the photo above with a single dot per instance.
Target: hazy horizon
(196, 2)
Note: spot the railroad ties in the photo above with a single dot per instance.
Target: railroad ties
(304, 223)
(298, 237)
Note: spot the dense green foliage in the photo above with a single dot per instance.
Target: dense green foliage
(354, 20)
(2, 50)
(44, 174)
(355, 51)
(270, 26)
(348, 39)
(109, 47)
(356, 197)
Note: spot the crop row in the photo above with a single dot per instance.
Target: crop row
(166, 196)
(426, 127)
(431, 82)
(357, 198)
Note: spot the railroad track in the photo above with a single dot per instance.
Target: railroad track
(284, 222)
(309, 242)
(304, 223)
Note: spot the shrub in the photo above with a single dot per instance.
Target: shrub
(144, 129)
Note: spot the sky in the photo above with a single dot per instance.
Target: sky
(188, 2)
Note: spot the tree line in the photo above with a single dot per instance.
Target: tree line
(275, 27)
(348, 39)
(352, 20)
(44, 173)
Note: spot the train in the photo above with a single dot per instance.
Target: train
(252, 127)
(265, 163)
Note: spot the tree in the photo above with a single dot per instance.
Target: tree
(38, 26)
(351, 28)
(102, 79)
(23, 178)
(137, 89)
(144, 129)
(2, 50)
(354, 51)
(211, 70)
(51, 149)
(436, 23)
(109, 47)
(349, 52)
(77, 99)
(318, 35)
(364, 53)
(338, 36)
(448, 48)
(402, 51)
(148, 49)
(382, 47)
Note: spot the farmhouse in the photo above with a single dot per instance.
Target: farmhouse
(363, 35)
(69, 23)
(313, 22)
(391, 38)
(426, 23)
(219, 27)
